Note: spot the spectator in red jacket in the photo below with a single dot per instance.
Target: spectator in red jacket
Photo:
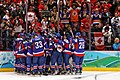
(85, 24)
(41, 6)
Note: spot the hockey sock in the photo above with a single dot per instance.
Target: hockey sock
(28, 68)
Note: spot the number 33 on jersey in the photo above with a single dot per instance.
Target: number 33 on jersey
(38, 47)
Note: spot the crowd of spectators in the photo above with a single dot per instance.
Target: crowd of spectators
(86, 16)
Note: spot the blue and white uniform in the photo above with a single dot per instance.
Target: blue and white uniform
(57, 53)
(29, 56)
(67, 52)
(38, 54)
(79, 45)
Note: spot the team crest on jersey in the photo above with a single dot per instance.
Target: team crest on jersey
(74, 13)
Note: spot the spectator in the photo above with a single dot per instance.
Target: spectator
(85, 24)
(74, 14)
(51, 4)
(115, 21)
(116, 45)
(106, 16)
(96, 28)
(107, 32)
(64, 16)
(44, 23)
(6, 16)
(96, 16)
(41, 6)
(54, 13)
(84, 13)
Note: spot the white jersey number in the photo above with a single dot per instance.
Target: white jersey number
(38, 45)
(81, 45)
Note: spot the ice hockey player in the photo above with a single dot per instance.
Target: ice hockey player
(29, 55)
(79, 45)
(48, 51)
(21, 55)
(38, 54)
(17, 59)
(23, 51)
(67, 51)
(57, 55)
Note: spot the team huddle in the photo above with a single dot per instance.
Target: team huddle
(43, 55)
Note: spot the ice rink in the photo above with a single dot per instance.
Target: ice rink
(87, 75)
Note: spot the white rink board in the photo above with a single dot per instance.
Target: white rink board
(87, 75)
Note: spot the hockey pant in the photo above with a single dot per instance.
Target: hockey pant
(66, 61)
(17, 64)
(73, 61)
(56, 57)
(78, 63)
(28, 63)
(23, 63)
(38, 63)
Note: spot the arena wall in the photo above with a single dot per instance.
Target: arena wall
(93, 61)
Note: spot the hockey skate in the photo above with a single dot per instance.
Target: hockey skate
(78, 72)
(39, 73)
(23, 72)
(28, 73)
(34, 73)
(45, 73)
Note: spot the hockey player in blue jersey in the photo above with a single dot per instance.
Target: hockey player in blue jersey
(67, 52)
(57, 54)
(23, 51)
(48, 51)
(17, 59)
(20, 54)
(38, 54)
(29, 55)
(79, 45)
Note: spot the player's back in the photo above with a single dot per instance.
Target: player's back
(38, 46)
(79, 45)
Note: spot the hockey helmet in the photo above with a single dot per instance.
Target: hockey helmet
(78, 34)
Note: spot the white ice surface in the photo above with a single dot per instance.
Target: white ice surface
(85, 76)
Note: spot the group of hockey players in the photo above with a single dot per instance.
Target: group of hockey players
(51, 54)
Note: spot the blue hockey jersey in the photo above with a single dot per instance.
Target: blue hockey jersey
(49, 45)
(29, 48)
(79, 45)
(58, 45)
(38, 46)
(21, 48)
(16, 47)
(67, 46)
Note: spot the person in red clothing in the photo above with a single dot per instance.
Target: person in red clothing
(85, 23)
(74, 13)
(41, 6)
(36, 25)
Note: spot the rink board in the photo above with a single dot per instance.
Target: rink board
(84, 69)
(93, 61)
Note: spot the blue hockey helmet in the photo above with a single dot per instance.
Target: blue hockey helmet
(21, 35)
(78, 34)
